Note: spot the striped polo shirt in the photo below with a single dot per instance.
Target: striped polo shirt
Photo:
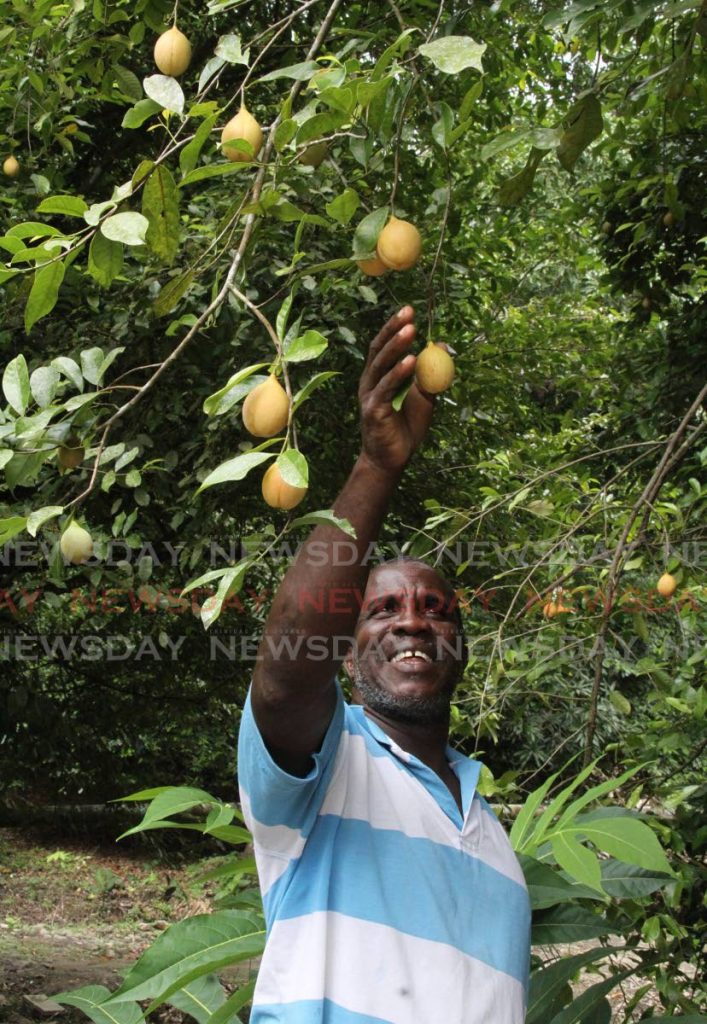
(384, 904)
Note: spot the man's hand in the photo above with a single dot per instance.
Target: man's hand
(389, 438)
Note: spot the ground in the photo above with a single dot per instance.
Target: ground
(73, 913)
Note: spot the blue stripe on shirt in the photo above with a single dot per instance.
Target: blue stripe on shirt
(371, 881)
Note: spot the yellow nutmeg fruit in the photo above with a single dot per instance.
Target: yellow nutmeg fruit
(266, 408)
(373, 267)
(245, 128)
(399, 244)
(277, 492)
(434, 369)
(76, 544)
(11, 167)
(172, 52)
(667, 585)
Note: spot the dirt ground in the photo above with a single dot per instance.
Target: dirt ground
(74, 914)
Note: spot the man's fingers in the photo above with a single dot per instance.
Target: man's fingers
(386, 388)
(395, 348)
(402, 317)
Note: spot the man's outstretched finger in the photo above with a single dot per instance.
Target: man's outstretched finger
(398, 320)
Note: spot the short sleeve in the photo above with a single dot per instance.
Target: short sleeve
(270, 796)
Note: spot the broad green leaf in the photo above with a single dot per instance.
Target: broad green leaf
(168, 802)
(569, 923)
(325, 517)
(234, 469)
(41, 516)
(5, 456)
(91, 360)
(105, 259)
(627, 839)
(452, 54)
(10, 527)
(228, 48)
(200, 998)
(69, 206)
(172, 293)
(213, 403)
(69, 367)
(89, 999)
(320, 125)
(627, 881)
(522, 828)
(137, 115)
(283, 314)
(33, 229)
(311, 385)
(546, 983)
(226, 1014)
(293, 468)
(548, 887)
(516, 187)
(78, 401)
(309, 345)
(297, 72)
(585, 1004)
(43, 384)
(213, 171)
(367, 232)
(209, 70)
(542, 824)
(231, 582)
(15, 384)
(594, 794)
(44, 292)
(190, 154)
(160, 205)
(344, 206)
(576, 860)
(96, 211)
(285, 133)
(127, 81)
(443, 126)
(129, 228)
(165, 91)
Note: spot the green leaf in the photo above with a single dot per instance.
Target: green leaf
(579, 1010)
(367, 232)
(105, 259)
(285, 133)
(628, 840)
(9, 528)
(293, 468)
(165, 91)
(172, 292)
(516, 187)
(200, 998)
(569, 923)
(167, 802)
(576, 860)
(320, 125)
(343, 207)
(127, 81)
(442, 128)
(628, 881)
(225, 1014)
(311, 385)
(283, 314)
(69, 367)
(234, 469)
(89, 999)
(160, 205)
(583, 124)
(522, 828)
(137, 115)
(325, 517)
(69, 206)
(15, 384)
(548, 887)
(44, 293)
(129, 228)
(190, 154)
(212, 404)
(43, 384)
(33, 229)
(298, 72)
(188, 950)
(228, 48)
(91, 360)
(452, 54)
(547, 983)
(41, 516)
(231, 583)
(307, 346)
(212, 171)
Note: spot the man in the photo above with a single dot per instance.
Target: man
(391, 893)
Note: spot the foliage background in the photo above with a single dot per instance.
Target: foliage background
(569, 452)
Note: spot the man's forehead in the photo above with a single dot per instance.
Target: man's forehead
(406, 577)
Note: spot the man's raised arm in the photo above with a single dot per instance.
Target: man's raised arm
(293, 693)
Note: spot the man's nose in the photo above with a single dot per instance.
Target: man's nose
(411, 618)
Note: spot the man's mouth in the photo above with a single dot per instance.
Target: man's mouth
(411, 655)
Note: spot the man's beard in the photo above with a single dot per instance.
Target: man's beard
(408, 710)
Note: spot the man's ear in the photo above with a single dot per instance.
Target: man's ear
(348, 663)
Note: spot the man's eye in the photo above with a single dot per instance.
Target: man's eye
(385, 606)
(434, 605)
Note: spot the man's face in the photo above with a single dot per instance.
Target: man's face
(408, 654)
